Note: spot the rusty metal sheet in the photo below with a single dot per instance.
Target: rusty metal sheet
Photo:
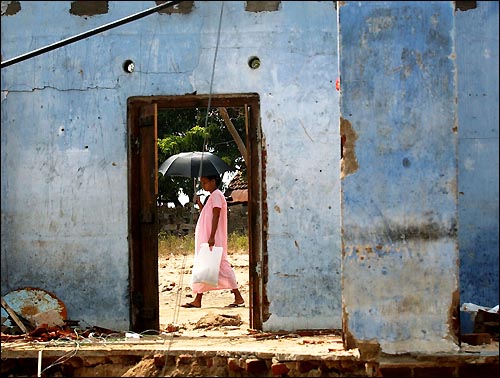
(29, 302)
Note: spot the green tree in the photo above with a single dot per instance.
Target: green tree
(184, 130)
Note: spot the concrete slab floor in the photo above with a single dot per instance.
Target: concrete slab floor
(228, 352)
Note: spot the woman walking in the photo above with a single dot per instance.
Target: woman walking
(211, 228)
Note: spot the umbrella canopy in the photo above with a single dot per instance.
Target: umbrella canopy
(187, 164)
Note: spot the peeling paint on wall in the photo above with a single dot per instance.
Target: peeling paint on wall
(262, 6)
(183, 7)
(10, 8)
(88, 8)
(349, 164)
(399, 209)
(347, 337)
(454, 315)
(80, 146)
(465, 5)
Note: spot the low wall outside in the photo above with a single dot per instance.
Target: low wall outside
(181, 221)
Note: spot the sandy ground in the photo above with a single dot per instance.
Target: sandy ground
(213, 317)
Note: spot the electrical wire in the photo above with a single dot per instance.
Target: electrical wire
(211, 85)
(181, 278)
(65, 357)
(89, 33)
(179, 291)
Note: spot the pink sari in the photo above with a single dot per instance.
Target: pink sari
(227, 278)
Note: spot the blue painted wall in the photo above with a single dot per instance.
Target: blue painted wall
(64, 145)
(477, 63)
(64, 224)
(399, 210)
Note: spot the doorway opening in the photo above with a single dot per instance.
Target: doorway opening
(142, 119)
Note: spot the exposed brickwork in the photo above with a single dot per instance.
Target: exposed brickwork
(279, 369)
(305, 366)
(222, 364)
(233, 364)
(159, 360)
(184, 359)
(479, 371)
(434, 372)
(209, 362)
(476, 338)
(256, 366)
(396, 372)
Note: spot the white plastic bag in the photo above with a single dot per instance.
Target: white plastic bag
(206, 265)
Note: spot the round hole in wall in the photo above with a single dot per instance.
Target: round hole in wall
(254, 62)
(128, 66)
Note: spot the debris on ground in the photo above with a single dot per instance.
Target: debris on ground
(45, 332)
(211, 321)
(171, 328)
(145, 368)
(30, 308)
(482, 324)
(487, 322)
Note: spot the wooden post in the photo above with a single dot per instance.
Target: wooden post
(234, 133)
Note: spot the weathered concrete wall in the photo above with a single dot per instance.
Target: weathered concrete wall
(64, 144)
(64, 224)
(477, 63)
(303, 162)
(399, 214)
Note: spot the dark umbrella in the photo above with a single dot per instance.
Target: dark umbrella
(187, 164)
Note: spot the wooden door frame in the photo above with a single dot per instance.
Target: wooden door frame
(143, 216)
(141, 276)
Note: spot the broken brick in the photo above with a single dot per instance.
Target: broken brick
(256, 366)
(279, 369)
(476, 338)
(234, 364)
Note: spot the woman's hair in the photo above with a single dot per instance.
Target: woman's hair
(217, 179)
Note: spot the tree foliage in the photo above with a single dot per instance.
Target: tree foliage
(192, 129)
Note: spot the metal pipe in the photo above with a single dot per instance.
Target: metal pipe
(39, 370)
(89, 33)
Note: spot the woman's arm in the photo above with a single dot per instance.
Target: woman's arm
(215, 223)
(197, 201)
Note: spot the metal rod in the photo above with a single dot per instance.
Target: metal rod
(89, 33)
(39, 371)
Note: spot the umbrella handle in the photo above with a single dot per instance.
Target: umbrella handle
(195, 195)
